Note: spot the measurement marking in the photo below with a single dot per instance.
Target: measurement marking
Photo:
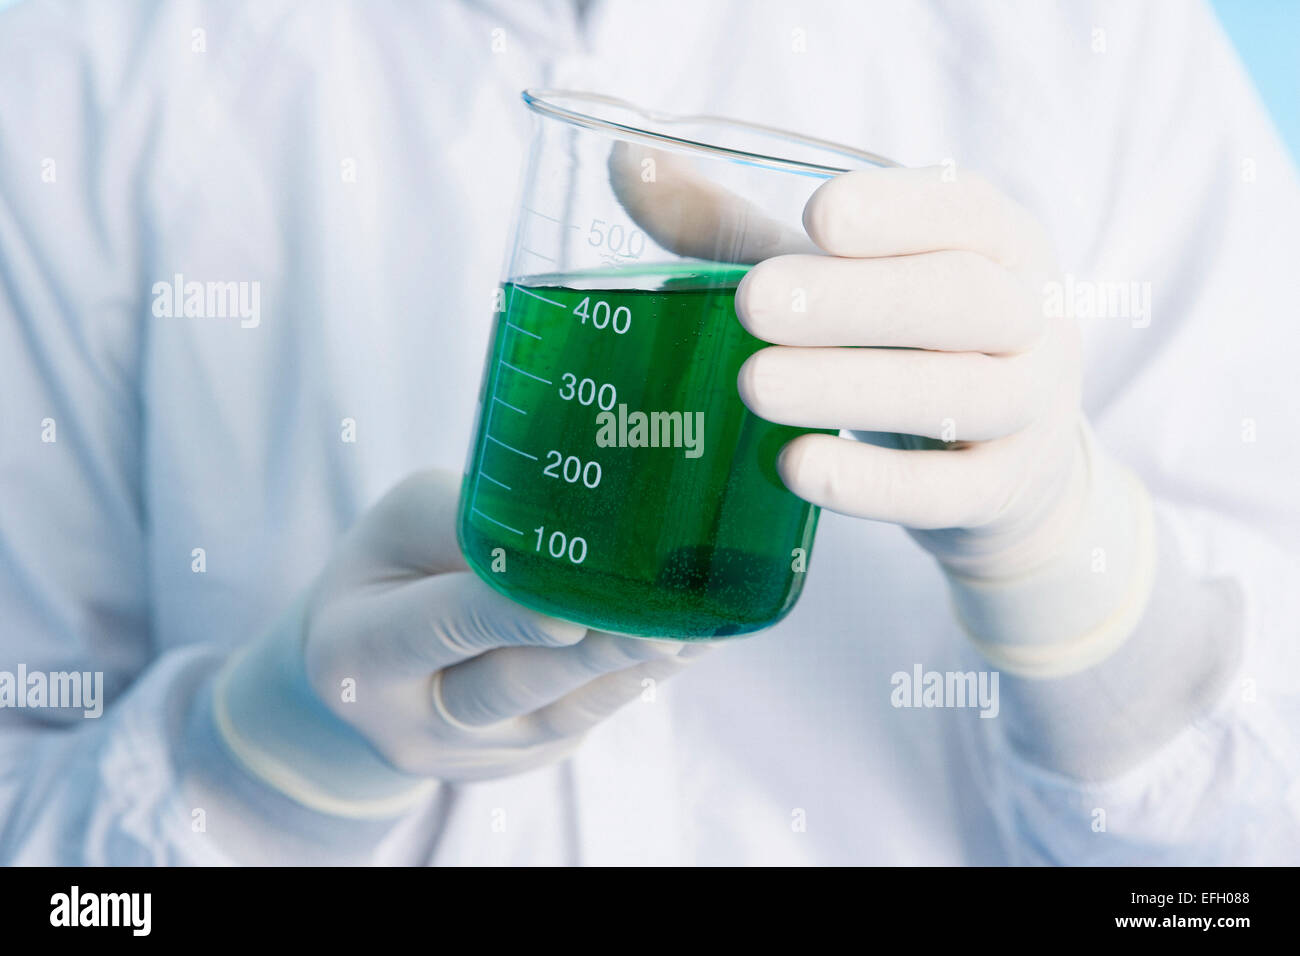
(508, 405)
(492, 407)
(537, 254)
(544, 381)
(542, 215)
(558, 305)
(495, 521)
(494, 481)
(511, 448)
(523, 330)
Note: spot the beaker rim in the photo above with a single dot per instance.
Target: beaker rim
(544, 102)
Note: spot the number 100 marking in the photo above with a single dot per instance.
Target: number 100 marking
(560, 545)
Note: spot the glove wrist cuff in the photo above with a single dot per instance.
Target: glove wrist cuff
(275, 725)
(1076, 608)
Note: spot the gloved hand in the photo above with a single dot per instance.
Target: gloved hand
(918, 323)
(399, 667)
(924, 330)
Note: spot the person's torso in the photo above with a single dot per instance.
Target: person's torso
(365, 183)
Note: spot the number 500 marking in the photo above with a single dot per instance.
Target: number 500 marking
(560, 545)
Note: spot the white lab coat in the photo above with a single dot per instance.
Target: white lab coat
(215, 140)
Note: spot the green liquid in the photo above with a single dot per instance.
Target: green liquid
(645, 541)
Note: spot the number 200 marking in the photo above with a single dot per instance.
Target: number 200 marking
(558, 545)
(572, 469)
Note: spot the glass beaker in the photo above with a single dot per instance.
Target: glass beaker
(616, 479)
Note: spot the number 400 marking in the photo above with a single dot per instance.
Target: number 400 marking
(603, 316)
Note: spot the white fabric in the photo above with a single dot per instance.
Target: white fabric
(1128, 129)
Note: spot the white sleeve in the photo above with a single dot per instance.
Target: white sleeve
(1071, 771)
(147, 782)
(1185, 748)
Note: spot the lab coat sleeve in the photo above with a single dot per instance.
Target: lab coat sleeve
(1186, 747)
(145, 782)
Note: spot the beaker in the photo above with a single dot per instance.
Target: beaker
(615, 478)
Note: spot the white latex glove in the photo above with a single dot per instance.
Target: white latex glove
(937, 289)
(451, 680)
(923, 330)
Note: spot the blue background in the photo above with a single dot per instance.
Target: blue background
(1267, 36)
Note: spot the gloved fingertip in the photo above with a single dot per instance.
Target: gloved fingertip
(652, 648)
(553, 631)
(818, 214)
(751, 300)
(792, 462)
(750, 381)
(691, 651)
